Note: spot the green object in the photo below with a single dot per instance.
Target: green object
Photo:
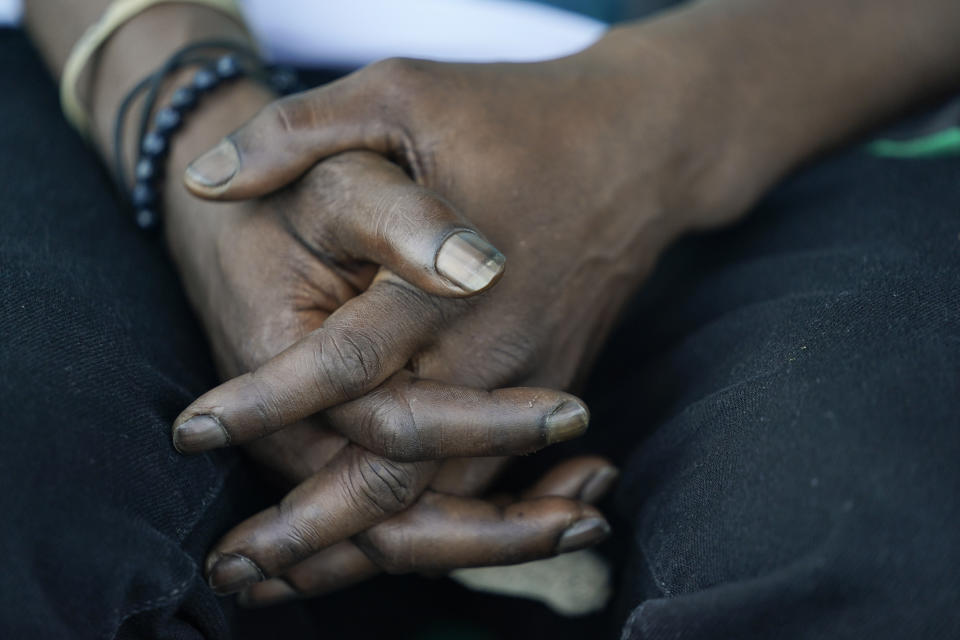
(941, 143)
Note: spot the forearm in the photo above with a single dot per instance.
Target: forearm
(134, 51)
(780, 80)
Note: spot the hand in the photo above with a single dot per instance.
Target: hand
(581, 192)
(581, 231)
(259, 288)
(447, 529)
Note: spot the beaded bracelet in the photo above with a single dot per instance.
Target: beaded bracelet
(154, 143)
(117, 14)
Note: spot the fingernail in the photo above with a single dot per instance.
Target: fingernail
(469, 261)
(269, 592)
(569, 420)
(583, 534)
(598, 484)
(232, 573)
(200, 433)
(216, 167)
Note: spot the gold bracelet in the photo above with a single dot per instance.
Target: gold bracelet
(116, 15)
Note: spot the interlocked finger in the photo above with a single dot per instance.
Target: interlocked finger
(355, 491)
(407, 419)
(443, 532)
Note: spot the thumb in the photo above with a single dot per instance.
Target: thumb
(360, 206)
(289, 136)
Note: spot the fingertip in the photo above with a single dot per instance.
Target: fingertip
(569, 420)
(210, 175)
(469, 262)
(599, 484)
(586, 532)
(200, 433)
(232, 572)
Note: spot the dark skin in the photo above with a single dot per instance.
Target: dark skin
(255, 307)
(581, 171)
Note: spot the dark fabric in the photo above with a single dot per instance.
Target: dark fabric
(102, 521)
(784, 398)
(799, 474)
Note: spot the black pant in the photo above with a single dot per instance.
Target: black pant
(784, 398)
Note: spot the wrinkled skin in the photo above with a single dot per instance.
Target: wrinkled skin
(580, 232)
(261, 289)
(580, 170)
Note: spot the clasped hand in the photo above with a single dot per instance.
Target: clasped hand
(382, 352)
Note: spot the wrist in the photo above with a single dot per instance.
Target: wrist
(667, 99)
(135, 50)
(191, 226)
(770, 84)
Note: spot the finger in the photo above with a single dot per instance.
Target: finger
(345, 564)
(358, 347)
(360, 206)
(338, 567)
(468, 477)
(407, 419)
(586, 478)
(292, 134)
(442, 533)
(439, 534)
(354, 492)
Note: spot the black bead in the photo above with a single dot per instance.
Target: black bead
(146, 169)
(183, 98)
(143, 196)
(205, 79)
(228, 67)
(154, 145)
(147, 218)
(167, 120)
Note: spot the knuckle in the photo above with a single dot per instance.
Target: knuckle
(381, 486)
(298, 543)
(346, 363)
(409, 222)
(281, 114)
(299, 538)
(402, 73)
(337, 174)
(392, 426)
(414, 207)
(429, 311)
(404, 92)
(403, 86)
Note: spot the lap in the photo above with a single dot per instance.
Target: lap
(105, 524)
(795, 387)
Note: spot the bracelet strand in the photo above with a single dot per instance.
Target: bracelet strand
(153, 143)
